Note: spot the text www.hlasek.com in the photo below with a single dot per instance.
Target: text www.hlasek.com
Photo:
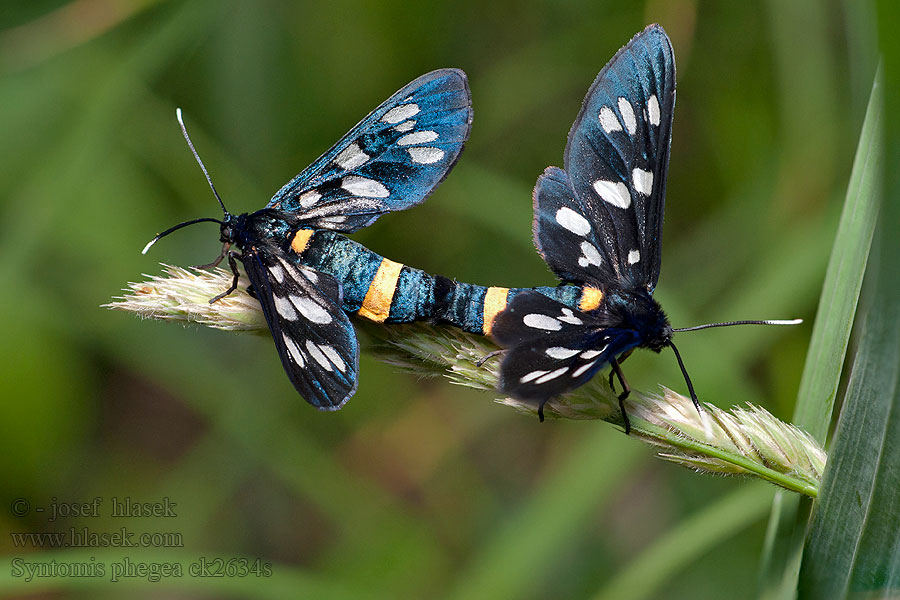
(85, 538)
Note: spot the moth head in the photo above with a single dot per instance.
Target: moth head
(660, 338)
(230, 225)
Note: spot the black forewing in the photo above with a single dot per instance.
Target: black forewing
(314, 338)
(391, 160)
(553, 348)
(617, 157)
(597, 223)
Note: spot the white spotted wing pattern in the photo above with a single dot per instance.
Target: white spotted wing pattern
(390, 161)
(616, 159)
(598, 223)
(600, 219)
(315, 339)
(554, 348)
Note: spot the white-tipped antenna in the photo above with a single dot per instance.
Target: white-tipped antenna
(197, 157)
(175, 228)
(730, 323)
(208, 179)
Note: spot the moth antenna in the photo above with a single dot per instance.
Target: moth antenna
(684, 372)
(197, 157)
(687, 378)
(175, 228)
(730, 323)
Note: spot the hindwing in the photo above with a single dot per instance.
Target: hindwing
(553, 348)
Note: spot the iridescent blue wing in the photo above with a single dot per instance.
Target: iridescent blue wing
(315, 339)
(553, 348)
(603, 222)
(598, 223)
(390, 161)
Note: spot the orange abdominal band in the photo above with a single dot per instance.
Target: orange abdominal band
(494, 303)
(301, 240)
(590, 299)
(376, 306)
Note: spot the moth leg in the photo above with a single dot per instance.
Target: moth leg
(216, 262)
(487, 357)
(625, 391)
(541, 409)
(612, 372)
(234, 282)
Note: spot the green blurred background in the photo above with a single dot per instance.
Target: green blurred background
(416, 488)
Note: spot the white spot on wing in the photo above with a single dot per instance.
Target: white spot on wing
(405, 126)
(634, 256)
(335, 358)
(294, 350)
(277, 272)
(591, 255)
(317, 355)
(608, 120)
(653, 110)
(309, 198)
(560, 353)
(419, 137)
(574, 222)
(569, 317)
(582, 369)
(643, 181)
(627, 115)
(531, 376)
(305, 271)
(589, 354)
(363, 186)
(334, 219)
(539, 321)
(426, 155)
(351, 157)
(400, 113)
(613, 192)
(285, 308)
(551, 375)
(311, 310)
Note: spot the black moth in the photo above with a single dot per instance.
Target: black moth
(598, 224)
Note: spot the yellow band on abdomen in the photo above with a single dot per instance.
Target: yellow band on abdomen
(301, 240)
(494, 303)
(376, 306)
(590, 299)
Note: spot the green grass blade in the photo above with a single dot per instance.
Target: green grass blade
(828, 346)
(853, 545)
(843, 280)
